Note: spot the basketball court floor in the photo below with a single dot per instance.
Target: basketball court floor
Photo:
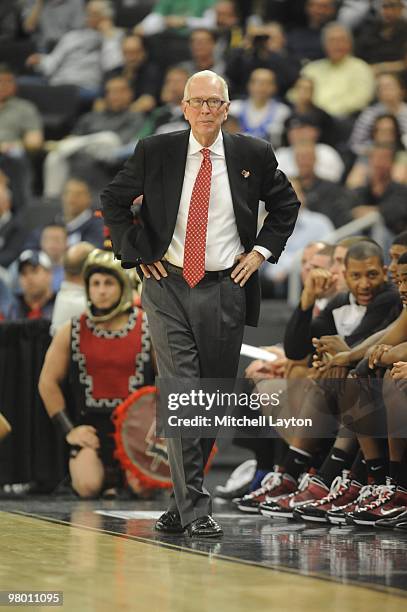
(105, 556)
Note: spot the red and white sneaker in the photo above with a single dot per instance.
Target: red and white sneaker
(340, 494)
(390, 502)
(309, 490)
(361, 495)
(275, 484)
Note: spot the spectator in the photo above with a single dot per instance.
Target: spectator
(381, 40)
(53, 242)
(168, 117)
(323, 259)
(385, 131)
(35, 277)
(71, 298)
(143, 75)
(305, 42)
(12, 232)
(390, 100)
(261, 114)
(381, 193)
(20, 122)
(307, 254)
(326, 197)
(343, 83)
(9, 20)
(265, 47)
(309, 226)
(97, 135)
(222, 18)
(302, 100)
(352, 13)
(226, 24)
(202, 44)
(174, 14)
(48, 20)
(81, 57)
(328, 165)
(81, 224)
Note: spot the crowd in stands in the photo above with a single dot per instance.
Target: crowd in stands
(323, 80)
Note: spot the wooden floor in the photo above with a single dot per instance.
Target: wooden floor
(101, 570)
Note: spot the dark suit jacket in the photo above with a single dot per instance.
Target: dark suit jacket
(156, 170)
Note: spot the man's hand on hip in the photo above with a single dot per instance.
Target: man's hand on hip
(247, 264)
(155, 269)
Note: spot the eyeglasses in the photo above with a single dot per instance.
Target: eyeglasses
(213, 103)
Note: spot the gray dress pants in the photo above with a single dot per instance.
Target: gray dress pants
(196, 333)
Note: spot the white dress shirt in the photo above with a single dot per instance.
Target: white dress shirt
(348, 317)
(223, 243)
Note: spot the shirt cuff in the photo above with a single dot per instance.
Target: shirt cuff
(265, 252)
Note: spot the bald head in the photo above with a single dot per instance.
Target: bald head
(74, 260)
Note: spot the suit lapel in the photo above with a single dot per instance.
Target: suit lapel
(236, 163)
(174, 158)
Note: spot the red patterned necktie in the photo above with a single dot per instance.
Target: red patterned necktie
(197, 225)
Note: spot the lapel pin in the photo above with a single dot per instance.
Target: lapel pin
(245, 173)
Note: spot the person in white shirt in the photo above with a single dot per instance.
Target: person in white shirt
(71, 298)
(261, 114)
(310, 226)
(81, 57)
(328, 165)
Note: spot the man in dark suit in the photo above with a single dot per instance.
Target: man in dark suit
(196, 243)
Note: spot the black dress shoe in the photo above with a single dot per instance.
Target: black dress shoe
(204, 527)
(169, 522)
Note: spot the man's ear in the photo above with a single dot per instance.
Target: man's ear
(184, 107)
(226, 112)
